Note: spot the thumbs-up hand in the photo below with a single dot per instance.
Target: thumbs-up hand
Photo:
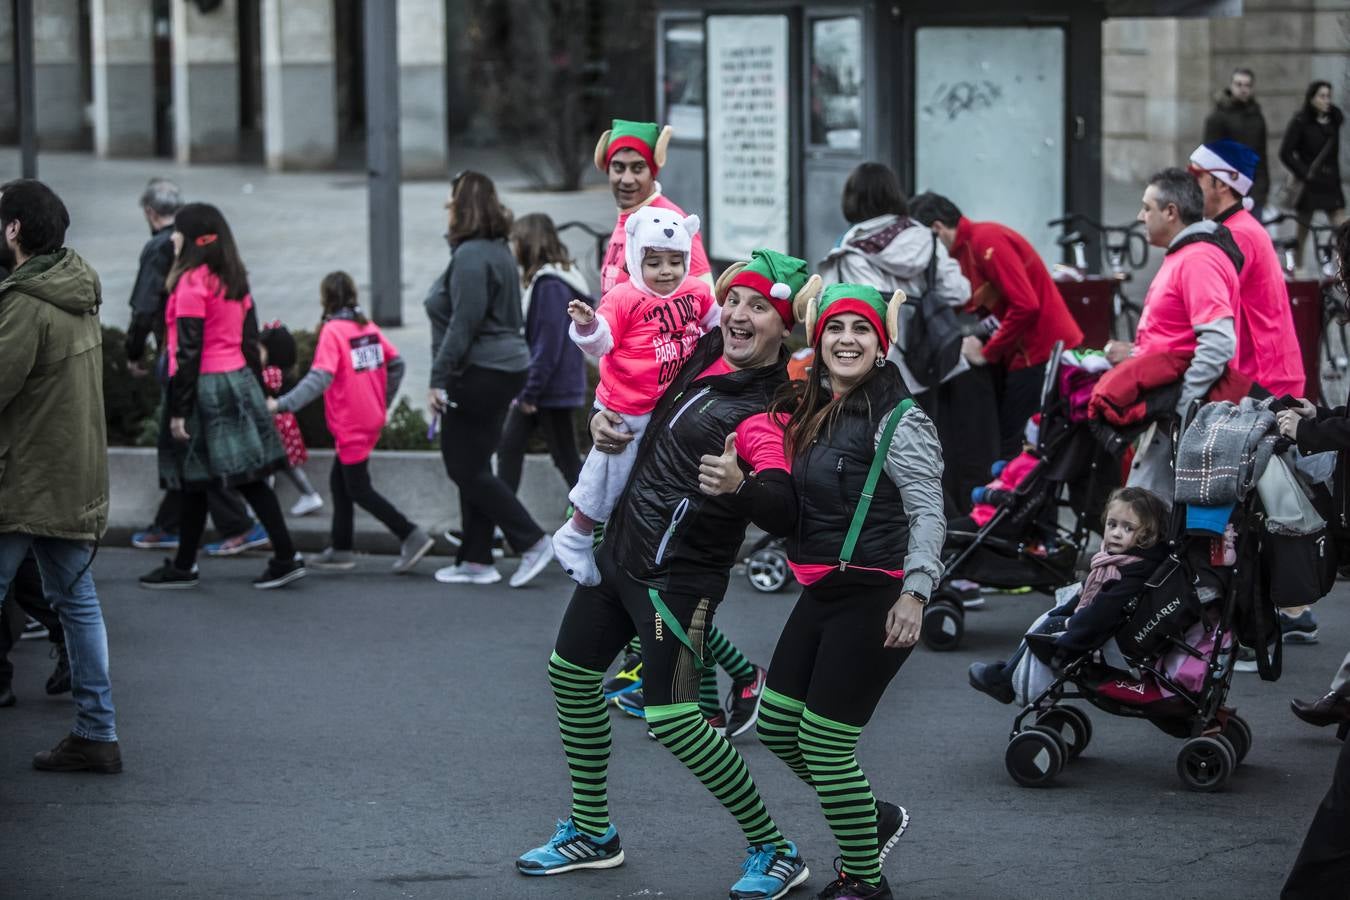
(720, 474)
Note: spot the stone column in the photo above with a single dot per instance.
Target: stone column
(206, 82)
(124, 76)
(58, 88)
(9, 121)
(299, 84)
(421, 69)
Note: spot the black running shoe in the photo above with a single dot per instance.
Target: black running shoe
(169, 577)
(280, 572)
(892, 821)
(743, 703)
(32, 630)
(846, 888)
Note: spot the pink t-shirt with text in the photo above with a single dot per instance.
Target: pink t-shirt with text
(199, 295)
(653, 338)
(1195, 286)
(615, 270)
(357, 356)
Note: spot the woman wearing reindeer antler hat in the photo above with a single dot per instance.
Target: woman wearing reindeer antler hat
(867, 550)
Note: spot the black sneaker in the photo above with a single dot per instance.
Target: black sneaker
(627, 679)
(7, 697)
(743, 703)
(992, 679)
(168, 577)
(846, 888)
(32, 630)
(59, 682)
(892, 821)
(280, 572)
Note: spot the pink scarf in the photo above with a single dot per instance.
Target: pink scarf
(1105, 568)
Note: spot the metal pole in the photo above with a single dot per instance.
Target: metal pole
(382, 161)
(27, 102)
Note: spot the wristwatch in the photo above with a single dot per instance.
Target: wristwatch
(922, 598)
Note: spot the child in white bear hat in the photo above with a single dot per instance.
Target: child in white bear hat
(643, 333)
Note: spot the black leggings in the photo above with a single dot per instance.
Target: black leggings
(224, 505)
(559, 434)
(349, 485)
(470, 432)
(601, 620)
(28, 600)
(830, 654)
(192, 522)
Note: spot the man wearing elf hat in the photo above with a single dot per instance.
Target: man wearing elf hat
(631, 154)
(711, 463)
(1267, 345)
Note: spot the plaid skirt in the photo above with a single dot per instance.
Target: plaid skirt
(232, 439)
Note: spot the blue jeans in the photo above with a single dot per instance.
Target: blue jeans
(69, 588)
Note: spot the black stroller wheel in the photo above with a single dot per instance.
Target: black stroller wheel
(1034, 757)
(1071, 724)
(1205, 763)
(1239, 734)
(767, 569)
(944, 622)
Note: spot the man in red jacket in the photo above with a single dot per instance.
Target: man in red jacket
(1009, 282)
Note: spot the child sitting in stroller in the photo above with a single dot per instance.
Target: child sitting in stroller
(1132, 549)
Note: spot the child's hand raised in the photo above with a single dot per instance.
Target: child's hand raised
(580, 313)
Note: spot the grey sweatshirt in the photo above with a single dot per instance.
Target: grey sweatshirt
(475, 313)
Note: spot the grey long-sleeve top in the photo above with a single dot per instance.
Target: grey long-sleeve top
(914, 464)
(316, 381)
(475, 313)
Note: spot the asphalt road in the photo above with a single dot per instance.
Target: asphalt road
(362, 735)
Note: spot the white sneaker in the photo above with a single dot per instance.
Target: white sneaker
(576, 554)
(533, 561)
(468, 573)
(308, 503)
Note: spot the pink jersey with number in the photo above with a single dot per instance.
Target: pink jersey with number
(357, 356)
(653, 338)
(615, 270)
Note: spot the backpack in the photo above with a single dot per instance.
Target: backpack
(930, 333)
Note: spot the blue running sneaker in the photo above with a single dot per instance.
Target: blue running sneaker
(253, 539)
(1299, 629)
(769, 873)
(627, 679)
(569, 849)
(632, 704)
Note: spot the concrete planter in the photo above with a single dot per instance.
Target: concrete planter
(414, 481)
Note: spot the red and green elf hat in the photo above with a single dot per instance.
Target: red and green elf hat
(856, 298)
(647, 138)
(783, 280)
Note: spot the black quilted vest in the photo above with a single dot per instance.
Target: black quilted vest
(829, 476)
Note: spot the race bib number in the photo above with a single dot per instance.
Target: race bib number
(367, 352)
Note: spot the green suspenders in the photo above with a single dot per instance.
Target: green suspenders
(873, 475)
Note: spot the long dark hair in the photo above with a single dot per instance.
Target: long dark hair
(872, 190)
(475, 211)
(208, 241)
(337, 292)
(537, 245)
(810, 407)
(1311, 92)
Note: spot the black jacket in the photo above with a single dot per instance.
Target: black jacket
(667, 533)
(149, 294)
(1242, 121)
(828, 478)
(1304, 138)
(1089, 628)
(1331, 431)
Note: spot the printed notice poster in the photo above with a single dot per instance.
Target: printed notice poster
(748, 134)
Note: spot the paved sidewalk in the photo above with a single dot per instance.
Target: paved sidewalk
(371, 736)
(292, 229)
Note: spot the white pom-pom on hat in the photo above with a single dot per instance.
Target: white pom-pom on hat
(780, 291)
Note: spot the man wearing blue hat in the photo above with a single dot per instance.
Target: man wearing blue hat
(1267, 346)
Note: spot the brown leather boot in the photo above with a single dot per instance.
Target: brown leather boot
(1331, 709)
(77, 754)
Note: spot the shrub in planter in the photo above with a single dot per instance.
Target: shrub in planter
(129, 401)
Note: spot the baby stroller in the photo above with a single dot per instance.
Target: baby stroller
(1027, 543)
(1171, 660)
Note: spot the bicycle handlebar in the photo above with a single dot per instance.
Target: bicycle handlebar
(1128, 240)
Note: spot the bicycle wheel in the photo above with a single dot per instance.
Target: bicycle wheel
(1126, 320)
